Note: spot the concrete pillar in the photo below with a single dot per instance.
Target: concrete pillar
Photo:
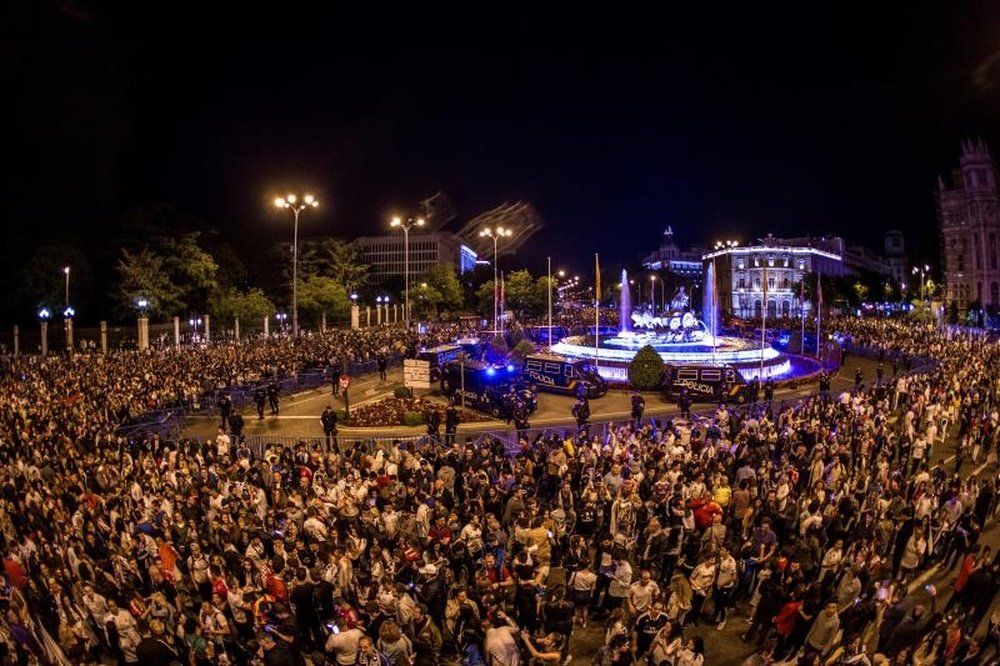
(395, 313)
(355, 317)
(104, 337)
(17, 340)
(322, 323)
(143, 324)
(267, 326)
(45, 339)
(378, 315)
(177, 331)
(208, 330)
(236, 327)
(368, 316)
(68, 323)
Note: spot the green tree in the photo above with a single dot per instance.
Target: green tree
(320, 294)
(646, 370)
(230, 304)
(143, 274)
(860, 292)
(443, 279)
(333, 258)
(425, 300)
(520, 292)
(43, 282)
(484, 298)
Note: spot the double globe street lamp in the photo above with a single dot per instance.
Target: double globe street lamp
(292, 203)
(496, 234)
(406, 225)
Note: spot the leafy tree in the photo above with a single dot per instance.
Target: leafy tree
(230, 304)
(425, 300)
(143, 274)
(322, 294)
(333, 258)
(646, 370)
(443, 279)
(860, 292)
(520, 292)
(484, 298)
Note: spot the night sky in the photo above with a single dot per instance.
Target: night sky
(721, 123)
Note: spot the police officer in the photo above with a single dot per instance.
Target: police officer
(259, 397)
(638, 407)
(236, 426)
(272, 396)
(879, 372)
(857, 378)
(381, 367)
(434, 424)
(329, 421)
(581, 412)
(335, 378)
(769, 390)
(451, 421)
(225, 409)
(684, 403)
(521, 419)
(824, 384)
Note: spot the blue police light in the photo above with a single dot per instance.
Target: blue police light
(510, 368)
(44, 313)
(491, 371)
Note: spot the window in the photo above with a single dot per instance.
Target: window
(711, 375)
(741, 264)
(534, 365)
(690, 374)
(961, 263)
(770, 283)
(552, 368)
(568, 370)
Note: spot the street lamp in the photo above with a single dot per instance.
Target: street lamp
(292, 203)
(496, 234)
(922, 272)
(143, 305)
(406, 225)
(66, 273)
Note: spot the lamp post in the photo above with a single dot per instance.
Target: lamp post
(406, 225)
(922, 272)
(43, 319)
(68, 314)
(292, 203)
(496, 234)
(652, 294)
(282, 318)
(66, 272)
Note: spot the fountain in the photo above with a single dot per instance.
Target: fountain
(625, 305)
(678, 336)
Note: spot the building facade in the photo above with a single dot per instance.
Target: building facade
(969, 220)
(672, 259)
(895, 257)
(743, 274)
(387, 254)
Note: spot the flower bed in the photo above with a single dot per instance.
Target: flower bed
(404, 411)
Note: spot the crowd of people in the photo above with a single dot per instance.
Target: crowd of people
(808, 522)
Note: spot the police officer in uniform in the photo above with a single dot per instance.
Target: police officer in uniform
(329, 421)
(824, 385)
(769, 390)
(236, 426)
(335, 378)
(684, 403)
(638, 407)
(581, 412)
(434, 424)
(857, 378)
(225, 409)
(272, 396)
(451, 421)
(259, 397)
(521, 419)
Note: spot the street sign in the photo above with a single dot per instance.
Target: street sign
(345, 381)
(416, 373)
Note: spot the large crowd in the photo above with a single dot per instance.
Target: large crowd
(811, 523)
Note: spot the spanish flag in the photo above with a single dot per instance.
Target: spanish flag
(597, 278)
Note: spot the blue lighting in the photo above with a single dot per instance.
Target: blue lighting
(510, 368)
(490, 371)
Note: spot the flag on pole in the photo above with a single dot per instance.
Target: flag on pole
(802, 293)
(819, 292)
(503, 296)
(597, 278)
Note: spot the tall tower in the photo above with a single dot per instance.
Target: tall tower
(979, 181)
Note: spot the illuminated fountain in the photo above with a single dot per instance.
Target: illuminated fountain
(678, 336)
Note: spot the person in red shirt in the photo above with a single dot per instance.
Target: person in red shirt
(784, 625)
(440, 532)
(704, 508)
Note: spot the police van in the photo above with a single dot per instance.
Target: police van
(707, 382)
(438, 356)
(486, 387)
(559, 374)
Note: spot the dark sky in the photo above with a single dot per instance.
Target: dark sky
(613, 124)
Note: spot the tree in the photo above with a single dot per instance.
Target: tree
(333, 258)
(43, 282)
(143, 275)
(484, 297)
(319, 295)
(860, 292)
(646, 370)
(230, 304)
(425, 300)
(519, 292)
(443, 279)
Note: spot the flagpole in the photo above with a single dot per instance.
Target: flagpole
(549, 282)
(503, 303)
(802, 315)
(819, 311)
(597, 309)
(763, 323)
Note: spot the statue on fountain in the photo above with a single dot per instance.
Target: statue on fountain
(678, 325)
